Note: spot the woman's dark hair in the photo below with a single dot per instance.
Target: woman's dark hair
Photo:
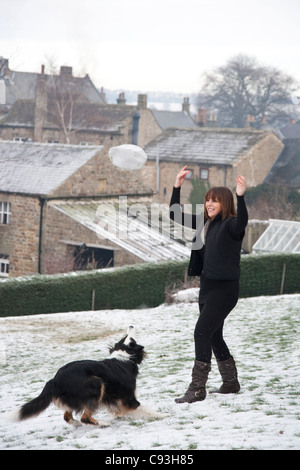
(225, 197)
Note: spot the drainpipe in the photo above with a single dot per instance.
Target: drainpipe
(42, 202)
(135, 128)
(157, 172)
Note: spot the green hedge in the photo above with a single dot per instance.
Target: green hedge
(136, 286)
(127, 287)
(270, 274)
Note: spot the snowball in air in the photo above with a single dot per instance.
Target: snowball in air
(127, 156)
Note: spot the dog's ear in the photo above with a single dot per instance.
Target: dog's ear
(130, 335)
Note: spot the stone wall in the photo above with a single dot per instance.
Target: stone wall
(20, 239)
(218, 176)
(99, 177)
(257, 163)
(148, 127)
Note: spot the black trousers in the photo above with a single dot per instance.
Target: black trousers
(216, 300)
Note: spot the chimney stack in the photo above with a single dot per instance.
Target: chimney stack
(65, 70)
(121, 99)
(202, 117)
(142, 101)
(186, 105)
(40, 110)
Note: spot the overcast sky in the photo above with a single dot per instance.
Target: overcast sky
(149, 45)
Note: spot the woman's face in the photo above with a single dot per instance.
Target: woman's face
(213, 207)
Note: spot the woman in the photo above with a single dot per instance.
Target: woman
(218, 264)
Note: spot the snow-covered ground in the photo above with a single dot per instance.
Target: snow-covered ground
(262, 333)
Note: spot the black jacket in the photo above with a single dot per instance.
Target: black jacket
(219, 258)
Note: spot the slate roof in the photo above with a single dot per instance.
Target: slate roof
(20, 114)
(286, 169)
(102, 118)
(33, 168)
(290, 131)
(132, 234)
(166, 119)
(109, 117)
(204, 145)
(22, 85)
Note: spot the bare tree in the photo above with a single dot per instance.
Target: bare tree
(61, 106)
(66, 106)
(243, 89)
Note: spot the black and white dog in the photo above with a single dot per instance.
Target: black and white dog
(85, 386)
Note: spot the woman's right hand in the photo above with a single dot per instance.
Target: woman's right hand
(181, 177)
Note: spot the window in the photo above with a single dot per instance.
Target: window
(204, 173)
(5, 213)
(21, 139)
(4, 265)
(189, 176)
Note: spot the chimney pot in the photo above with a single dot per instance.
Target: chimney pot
(186, 105)
(121, 99)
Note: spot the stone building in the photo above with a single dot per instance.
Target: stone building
(51, 198)
(19, 86)
(39, 107)
(92, 124)
(213, 156)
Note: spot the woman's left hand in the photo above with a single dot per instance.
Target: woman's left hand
(240, 185)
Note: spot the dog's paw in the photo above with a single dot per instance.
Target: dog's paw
(162, 415)
(75, 423)
(157, 415)
(147, 413)
(104, 424)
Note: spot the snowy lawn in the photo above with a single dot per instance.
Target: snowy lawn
(262, 333)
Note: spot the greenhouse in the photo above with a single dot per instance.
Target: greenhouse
(280, 236)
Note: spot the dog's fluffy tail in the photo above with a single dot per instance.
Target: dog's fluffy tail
(38, 404)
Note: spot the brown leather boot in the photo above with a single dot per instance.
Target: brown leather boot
(196, 390)
(229, 376)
